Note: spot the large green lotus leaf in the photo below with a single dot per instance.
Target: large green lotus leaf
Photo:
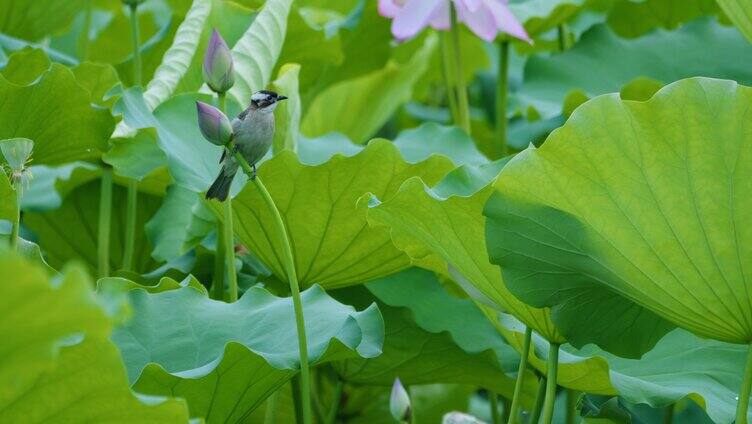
(477, 329)
(311, 44)
(449, 221)
(70, 232)
(632, 19)
(135, 157)
(225, 359)
(231, 20)
(35, 20)
(358, 107)
(419, 143)
(56, 114)
(52, 183)
(682, 365)
(439, 323)
(645, 199)
(740, 13)
(700, 48)
(417, 356)
(287, 129)
(333, 244)
(539, 16)
(99, 79)
(256, 52)
(25, 65)
(58, 364)
(181, 222)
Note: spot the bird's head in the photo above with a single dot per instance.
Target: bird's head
(265, 100)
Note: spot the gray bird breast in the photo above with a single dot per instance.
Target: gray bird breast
(254, 134)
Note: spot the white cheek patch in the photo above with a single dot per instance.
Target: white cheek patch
(258, 97)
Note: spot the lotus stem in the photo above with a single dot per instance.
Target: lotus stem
(743, 405)
(331, 418)
(446, 72)
(563, 34)
(505, 403)
(289, 265)
(463, 106)
(218, 286)
(228, 239)
(270, 413)
(518, 385)
(103, 228)
(538, 405)
(502, 95)
(16, 224)
(493, 400)
(131, 207)
(552, 369)
(571, 406)
(83, 40)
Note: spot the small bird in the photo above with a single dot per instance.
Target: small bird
(252, 132)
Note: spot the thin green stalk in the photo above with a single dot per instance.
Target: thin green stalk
(552, 367)
(331, 418)
(505, 403)
(446, 72)
(493, 400)
(289, 265)
(218, 285)
(668, 416)
(297, 402)
(270, 413)
(16, 224)
(563, 34)
(229, 238)
(103, 228)
(463, 106)
(514, 410)
(571, 406)
(502, 95)
(743, 405)
(538, 405)
(136, 47)
(131, 210)
(83, 40)
(131, 207)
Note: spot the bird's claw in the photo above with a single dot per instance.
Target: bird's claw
(253, 176)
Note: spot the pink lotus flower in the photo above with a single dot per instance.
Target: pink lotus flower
(486, 18)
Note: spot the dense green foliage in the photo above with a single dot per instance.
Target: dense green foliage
(558, 228)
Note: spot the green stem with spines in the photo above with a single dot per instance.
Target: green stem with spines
(518, 385)
(538, 404)
(103, 227)
(289, 265)
(744, 392)
(336, 399)
(501, 146)
(131, 207)
(463, 106)
(552, 367)
(668, 415)
(228, 238)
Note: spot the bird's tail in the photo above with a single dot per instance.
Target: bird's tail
(220, 189)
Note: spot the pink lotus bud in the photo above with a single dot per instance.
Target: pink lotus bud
(218, 68)
(214, 124)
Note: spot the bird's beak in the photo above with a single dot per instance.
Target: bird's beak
(281, 98)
